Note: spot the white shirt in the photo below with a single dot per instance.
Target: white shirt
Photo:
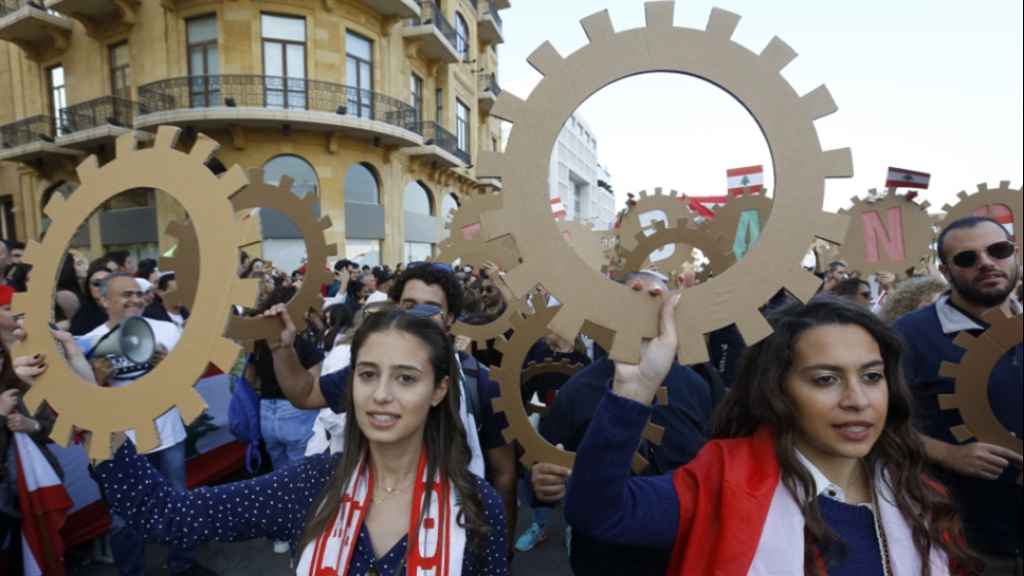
(169, 426)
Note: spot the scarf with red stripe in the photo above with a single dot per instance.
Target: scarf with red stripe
(436, 544)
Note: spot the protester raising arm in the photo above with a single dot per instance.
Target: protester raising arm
(639, 511)
(300, 386)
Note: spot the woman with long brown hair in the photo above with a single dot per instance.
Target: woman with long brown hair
(399, 499)
(814, 467)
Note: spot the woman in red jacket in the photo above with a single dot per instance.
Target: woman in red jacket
(814, 467)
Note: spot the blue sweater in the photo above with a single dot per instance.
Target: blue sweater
(273, 506)
(990, 509)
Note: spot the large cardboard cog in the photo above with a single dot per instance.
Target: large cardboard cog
(481, 333)
(259, 194)
(104, 411)
(671, 204)
(727, 216)
(685, 235)
(917, 232)
(526, 332)
(566, 367)
(587, 242)
(755, 80)
(467, 244)
(971, 204)
(971, 375)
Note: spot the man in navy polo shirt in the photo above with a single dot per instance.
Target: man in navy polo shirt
(982, 266)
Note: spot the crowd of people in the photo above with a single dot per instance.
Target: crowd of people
(822, 449)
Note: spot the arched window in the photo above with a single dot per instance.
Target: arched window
(361, 185)
(418, 199)
(461, 37)
(448, 205)
(304, 180)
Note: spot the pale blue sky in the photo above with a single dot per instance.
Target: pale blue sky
(924, 85)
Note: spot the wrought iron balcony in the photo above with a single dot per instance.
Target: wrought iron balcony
(39, 32)
(30, 138)
(100, 17)
(246, 99)
(86, 124)
(489, 23)
(488, 91)
(441, 145)
(437, 37)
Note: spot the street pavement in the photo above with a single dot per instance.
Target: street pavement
(255, 557)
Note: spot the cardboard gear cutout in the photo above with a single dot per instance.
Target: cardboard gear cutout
(104, 411)
(971, 381)
(587, 242)
(740, 222)
(259, 194)
(481, 333)
(755, 80)
(467, 244)
(888, 234)
(671, 204)
(565, 367)
(526, 332)
(980, 201)
(685, 235)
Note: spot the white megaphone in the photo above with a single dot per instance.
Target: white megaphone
(133, 338)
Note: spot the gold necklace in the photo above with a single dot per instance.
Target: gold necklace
(389, 492)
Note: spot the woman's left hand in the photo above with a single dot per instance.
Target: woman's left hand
(640, 382)
(27, 368)
(20, 423)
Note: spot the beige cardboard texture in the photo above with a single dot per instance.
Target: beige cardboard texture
(585, 241)
(685, 236)
(671, 204)
(727, 218)
(873, 241)
(978, 203)
(170, 384)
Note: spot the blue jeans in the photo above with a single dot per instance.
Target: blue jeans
(128, 546)
(286, 430)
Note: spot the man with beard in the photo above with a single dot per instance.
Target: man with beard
(981, 264)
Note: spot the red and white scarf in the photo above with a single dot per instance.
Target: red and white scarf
(435, 548)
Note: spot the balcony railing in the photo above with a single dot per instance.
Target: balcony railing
(27, 131)
(108, 110)
(430, 13)
(489, 83)
(436, 135)
(274, 92)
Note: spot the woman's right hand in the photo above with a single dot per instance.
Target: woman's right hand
(288, 330)
(640, 382)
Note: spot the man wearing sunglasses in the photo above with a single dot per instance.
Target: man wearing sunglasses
(982, 265)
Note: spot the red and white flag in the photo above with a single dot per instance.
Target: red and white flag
(903, 178)
(705, 205)
(749, 179)
(44, 503)
(557, 208)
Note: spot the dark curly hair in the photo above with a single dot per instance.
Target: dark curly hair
(431, 274)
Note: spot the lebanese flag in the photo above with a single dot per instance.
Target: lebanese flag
(44, 502)
(557, 208)
(704, 205)
(749, 179)
(903, 178)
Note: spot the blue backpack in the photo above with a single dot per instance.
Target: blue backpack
(244, 419)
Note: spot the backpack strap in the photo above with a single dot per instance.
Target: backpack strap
(471, 384)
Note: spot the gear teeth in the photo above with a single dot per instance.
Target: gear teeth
(639, 463)
(61, 432)
(36, 394)
(501, 345)
(125, 144)
(598, 26)
(947, 401)
(962, 195)
(54, 206)
(625, 349)
(325, 224)
(983, 187)
(87, 170)
(777, 54)
(233, 181)
(204, 148)
(166, 137)
(33, 252)
(146, 438)
(661, 396)
(654, 433)
(489, 164)
(831, 227)
(192, 405)
(837, 163)
(546, 59)
(659, 15)
(285, 185)
(509, 107)
(803, 285)
(961, 433)
(692, 348)
(567, 323)
(224, 354)
(946, 208)
(722, 23)
(949, 370)
(818, 103)
(99, 444)
(925, 205)
(1004, 185)
(964, 340)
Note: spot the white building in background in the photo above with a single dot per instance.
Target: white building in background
(575, 173)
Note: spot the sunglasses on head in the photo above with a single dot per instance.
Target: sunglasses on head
(435, 265)
(998, 251)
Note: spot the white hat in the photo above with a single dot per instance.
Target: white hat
(144, 285)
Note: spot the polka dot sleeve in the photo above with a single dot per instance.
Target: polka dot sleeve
(492, 559)
(272, 506)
